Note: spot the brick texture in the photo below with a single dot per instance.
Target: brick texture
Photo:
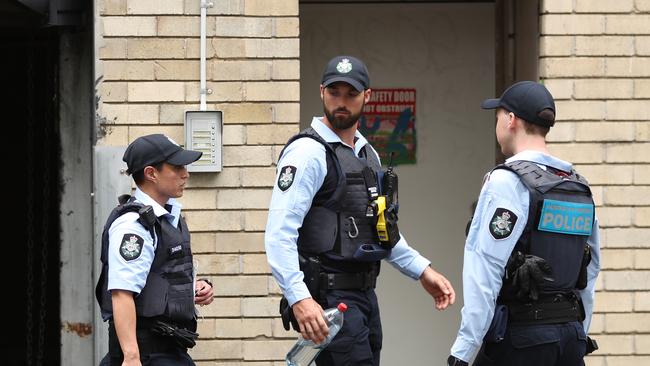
(594, 59)
(148, 67)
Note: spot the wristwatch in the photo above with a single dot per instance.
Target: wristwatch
(453, 361)
(206, 281)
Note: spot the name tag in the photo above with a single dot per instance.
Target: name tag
(566, 217)
(176, 251)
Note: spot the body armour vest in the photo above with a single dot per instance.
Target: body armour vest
(337, 224)
(168, 292)
(560, 220)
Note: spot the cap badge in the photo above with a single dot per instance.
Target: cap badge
(344, 66)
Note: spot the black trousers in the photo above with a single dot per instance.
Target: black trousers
(155, 359)
(537, 345)
(358, 343)
(154, 350)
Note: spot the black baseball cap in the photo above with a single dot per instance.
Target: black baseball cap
(526, 99)
(157, 148)
(347, 69)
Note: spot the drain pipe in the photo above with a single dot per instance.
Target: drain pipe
(204, 91)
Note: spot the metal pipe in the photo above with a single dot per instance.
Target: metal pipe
(203, 92)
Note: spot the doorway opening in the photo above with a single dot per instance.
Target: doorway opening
(32, 254)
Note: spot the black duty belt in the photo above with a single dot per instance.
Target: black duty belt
(148, 342)
(348, 281)
(558, 309)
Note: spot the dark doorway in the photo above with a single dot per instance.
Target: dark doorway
(31, 134)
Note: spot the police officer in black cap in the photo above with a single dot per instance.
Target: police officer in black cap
(323, 238)
(532, 252)
(147, 290)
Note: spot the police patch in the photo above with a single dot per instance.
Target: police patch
(502, 223)
(566, 217)
(287, 175)
(131, 246)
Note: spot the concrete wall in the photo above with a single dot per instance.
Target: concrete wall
(595, 60)
(431, 48)
(75, 115)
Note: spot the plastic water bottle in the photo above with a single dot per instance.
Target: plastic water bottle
(304, 352)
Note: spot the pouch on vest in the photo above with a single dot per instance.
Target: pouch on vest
(371, 253)
(324, 237)
(149, 306)
(497, 330)
(581, 284)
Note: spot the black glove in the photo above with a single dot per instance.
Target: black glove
(453, 361)
(528, 272)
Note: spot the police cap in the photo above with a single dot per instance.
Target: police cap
(157, 148)
(526, 99)
(347, 69)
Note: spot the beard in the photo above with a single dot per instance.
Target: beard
(342, 122)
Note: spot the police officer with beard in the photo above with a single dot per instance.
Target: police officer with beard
(532, 251)
(147, 289)
(321, 237)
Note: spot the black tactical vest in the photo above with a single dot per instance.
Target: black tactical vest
(560, 219)
(168, 292)
(337, 223)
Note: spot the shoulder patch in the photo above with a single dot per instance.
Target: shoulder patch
(287, 175)
(502, 223)
(131, 246)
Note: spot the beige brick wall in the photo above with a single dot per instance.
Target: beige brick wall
(148, 54)
(594, 59)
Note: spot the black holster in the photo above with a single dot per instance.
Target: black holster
(592, 345)
(288, 319)
(311, 268)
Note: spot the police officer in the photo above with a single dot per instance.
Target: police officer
(147, 289)
(532, 250)
(321, 241)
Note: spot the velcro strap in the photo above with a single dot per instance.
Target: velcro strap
(348, 281)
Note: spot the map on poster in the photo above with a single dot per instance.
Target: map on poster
(388, 122)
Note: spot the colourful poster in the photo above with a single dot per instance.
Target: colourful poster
(388, 122)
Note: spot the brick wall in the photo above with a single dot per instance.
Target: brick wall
(149, 67)
(595, 59)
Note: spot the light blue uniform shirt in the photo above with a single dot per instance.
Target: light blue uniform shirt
(288, 209)
(485, 257)
(132, 275)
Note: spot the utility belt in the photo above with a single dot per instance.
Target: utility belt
(322, 275)
(153, 336)
(548, 310)
(320, 282)
(348, 281)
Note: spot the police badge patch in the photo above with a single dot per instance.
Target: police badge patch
(502, 223)
(287, 174)
(344, 66)
(131, 246)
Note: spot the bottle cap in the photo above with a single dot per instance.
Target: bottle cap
(342, 307)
